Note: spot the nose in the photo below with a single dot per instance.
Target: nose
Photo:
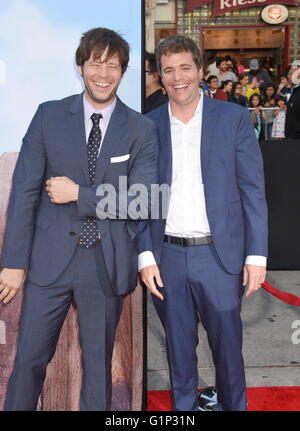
(103, 70)
(177, 74)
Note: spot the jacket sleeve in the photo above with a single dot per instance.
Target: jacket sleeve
(250, 178)
(142, 174)
(27, 183)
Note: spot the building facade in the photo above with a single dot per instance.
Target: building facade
(242, 33)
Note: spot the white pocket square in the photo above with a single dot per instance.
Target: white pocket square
(119, 158)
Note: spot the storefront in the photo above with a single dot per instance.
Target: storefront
(243, 29)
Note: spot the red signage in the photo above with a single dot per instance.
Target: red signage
(223, 6)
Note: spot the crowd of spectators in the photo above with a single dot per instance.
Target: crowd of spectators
(254, 90)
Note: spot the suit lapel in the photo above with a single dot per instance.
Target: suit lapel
(166, 145)
(207, 135)
(75, 117)
(114, 137)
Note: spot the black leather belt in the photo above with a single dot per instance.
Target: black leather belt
(187, 242)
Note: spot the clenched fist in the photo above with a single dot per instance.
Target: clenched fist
(10, 282)
(62, 190)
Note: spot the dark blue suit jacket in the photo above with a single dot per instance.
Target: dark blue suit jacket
(233, 179)
(41, 236)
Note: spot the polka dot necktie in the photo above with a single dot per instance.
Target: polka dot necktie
(89, 233)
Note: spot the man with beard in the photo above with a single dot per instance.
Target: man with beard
(55, 234)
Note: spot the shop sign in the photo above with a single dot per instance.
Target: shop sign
(223, 6)
(275, 14)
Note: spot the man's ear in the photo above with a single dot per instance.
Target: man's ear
(156, 76)
(80, 70)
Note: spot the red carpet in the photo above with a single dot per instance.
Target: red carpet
(259, 399)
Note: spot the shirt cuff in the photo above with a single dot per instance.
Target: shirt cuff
(145, 259)
(256, 260)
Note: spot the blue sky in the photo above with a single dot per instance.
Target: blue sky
(38, 39)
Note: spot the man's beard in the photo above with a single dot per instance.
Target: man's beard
(110, 96)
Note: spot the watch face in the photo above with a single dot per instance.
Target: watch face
(275, 14)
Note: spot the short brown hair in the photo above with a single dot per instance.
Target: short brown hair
(96, 40)
(175, 44)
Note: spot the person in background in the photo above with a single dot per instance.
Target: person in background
(262, 77)
(204, 85)
(215, 92)
(223, 73)
(269, 99)
(248, 89)
(227, 87)
(236, 95)
(154, 93)
(231, 65)
(267, 67)
(279, 119)
(240, 69)
(212, 67)
(292, 124)
(257, 114)
(285, 87)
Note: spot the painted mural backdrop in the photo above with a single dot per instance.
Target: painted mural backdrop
(38, 39)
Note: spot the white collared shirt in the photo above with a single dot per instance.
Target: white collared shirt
(89, 110)
(187, 215)
(187, 192)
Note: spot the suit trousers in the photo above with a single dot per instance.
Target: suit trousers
(196, 285)
(85, 281)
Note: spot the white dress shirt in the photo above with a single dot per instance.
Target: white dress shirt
(187, 215)
(89, 110)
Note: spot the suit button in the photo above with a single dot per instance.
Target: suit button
(72, 233)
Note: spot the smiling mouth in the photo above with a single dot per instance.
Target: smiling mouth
(179, 87)
(102, 84)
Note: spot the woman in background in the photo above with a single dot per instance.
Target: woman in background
(236, 95)
(248, 89)
(257, 114)
(269, 99)
(279, 119)
(227, 87)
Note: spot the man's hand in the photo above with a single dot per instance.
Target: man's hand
(150, 275)
(10, 282)
(62, 190)
(254, 276)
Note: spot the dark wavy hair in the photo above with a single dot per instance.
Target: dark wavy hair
(251, 98)
(175, 44)
(95, 41)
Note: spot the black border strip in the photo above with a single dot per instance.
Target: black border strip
(143, 95)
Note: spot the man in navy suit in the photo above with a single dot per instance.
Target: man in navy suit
(197, 259)
(56, 234)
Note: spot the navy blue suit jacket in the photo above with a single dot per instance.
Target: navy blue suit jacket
(41, 236)
(232, 172)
